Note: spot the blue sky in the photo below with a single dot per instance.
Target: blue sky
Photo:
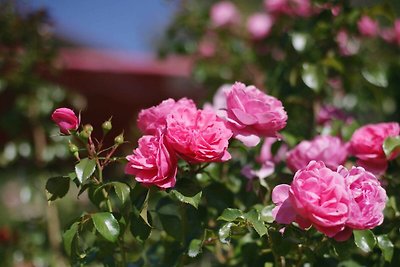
(126, 25)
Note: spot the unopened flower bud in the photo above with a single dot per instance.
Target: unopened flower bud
(88, 128)
(119, 139)
(85, 134)
(107, 126)
(73, 148)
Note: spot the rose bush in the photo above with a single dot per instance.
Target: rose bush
(193, 195)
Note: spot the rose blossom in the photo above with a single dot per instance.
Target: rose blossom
(329, 149)
(320, 195)
(317, 196)
(327, 113)
(301, 8)
(366, 144)
(151, 119)
(223, 13)
(368, 198)
(251, 113)
(334, 202)
(198, 135)
(153, 162)
(66, 120)
(259, 25)
(368, 27)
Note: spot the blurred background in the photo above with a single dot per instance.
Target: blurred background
(112, 58)
(97, 57)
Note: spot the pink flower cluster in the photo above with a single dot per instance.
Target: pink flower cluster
(177, 129)
(366, 144)
(334, 202)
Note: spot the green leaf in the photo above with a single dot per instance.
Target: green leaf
(376, 76)
(171, 225)
(139, 228)
(194, 201)
(364, 239)
(69, 237)
(391, 146)
(195, 248)
(386, 246)
(122, 190)
(266, 214)
(84, 169)
(106, 225)
(258, 225)
(312, 76)
(143, 212)
(230, 215)
(224, 232)
(187, 187)
(138, 195)
(58, 187)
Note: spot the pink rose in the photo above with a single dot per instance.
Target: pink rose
(153, 162)
(366, 144)
(251, 113)
(333, 202)
(66, 120)
(259, 25)
(368, 198)
(154, 118)
(301, 8)
(198, 135)
(327, 113)
(277, 6)
(329, 149)
(388, 34)
(368, 27)
(223, 13)
(321, 196)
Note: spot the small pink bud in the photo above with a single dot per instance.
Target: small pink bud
(66, 120)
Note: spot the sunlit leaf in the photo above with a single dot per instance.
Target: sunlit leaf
(194, 201)
(364, 239)
(84, 169)
(258, 225)
(122, 190)
(106, 225)
(386, 246)
(224, 232)
(230, 215)
(194, 248)
(391, 146)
